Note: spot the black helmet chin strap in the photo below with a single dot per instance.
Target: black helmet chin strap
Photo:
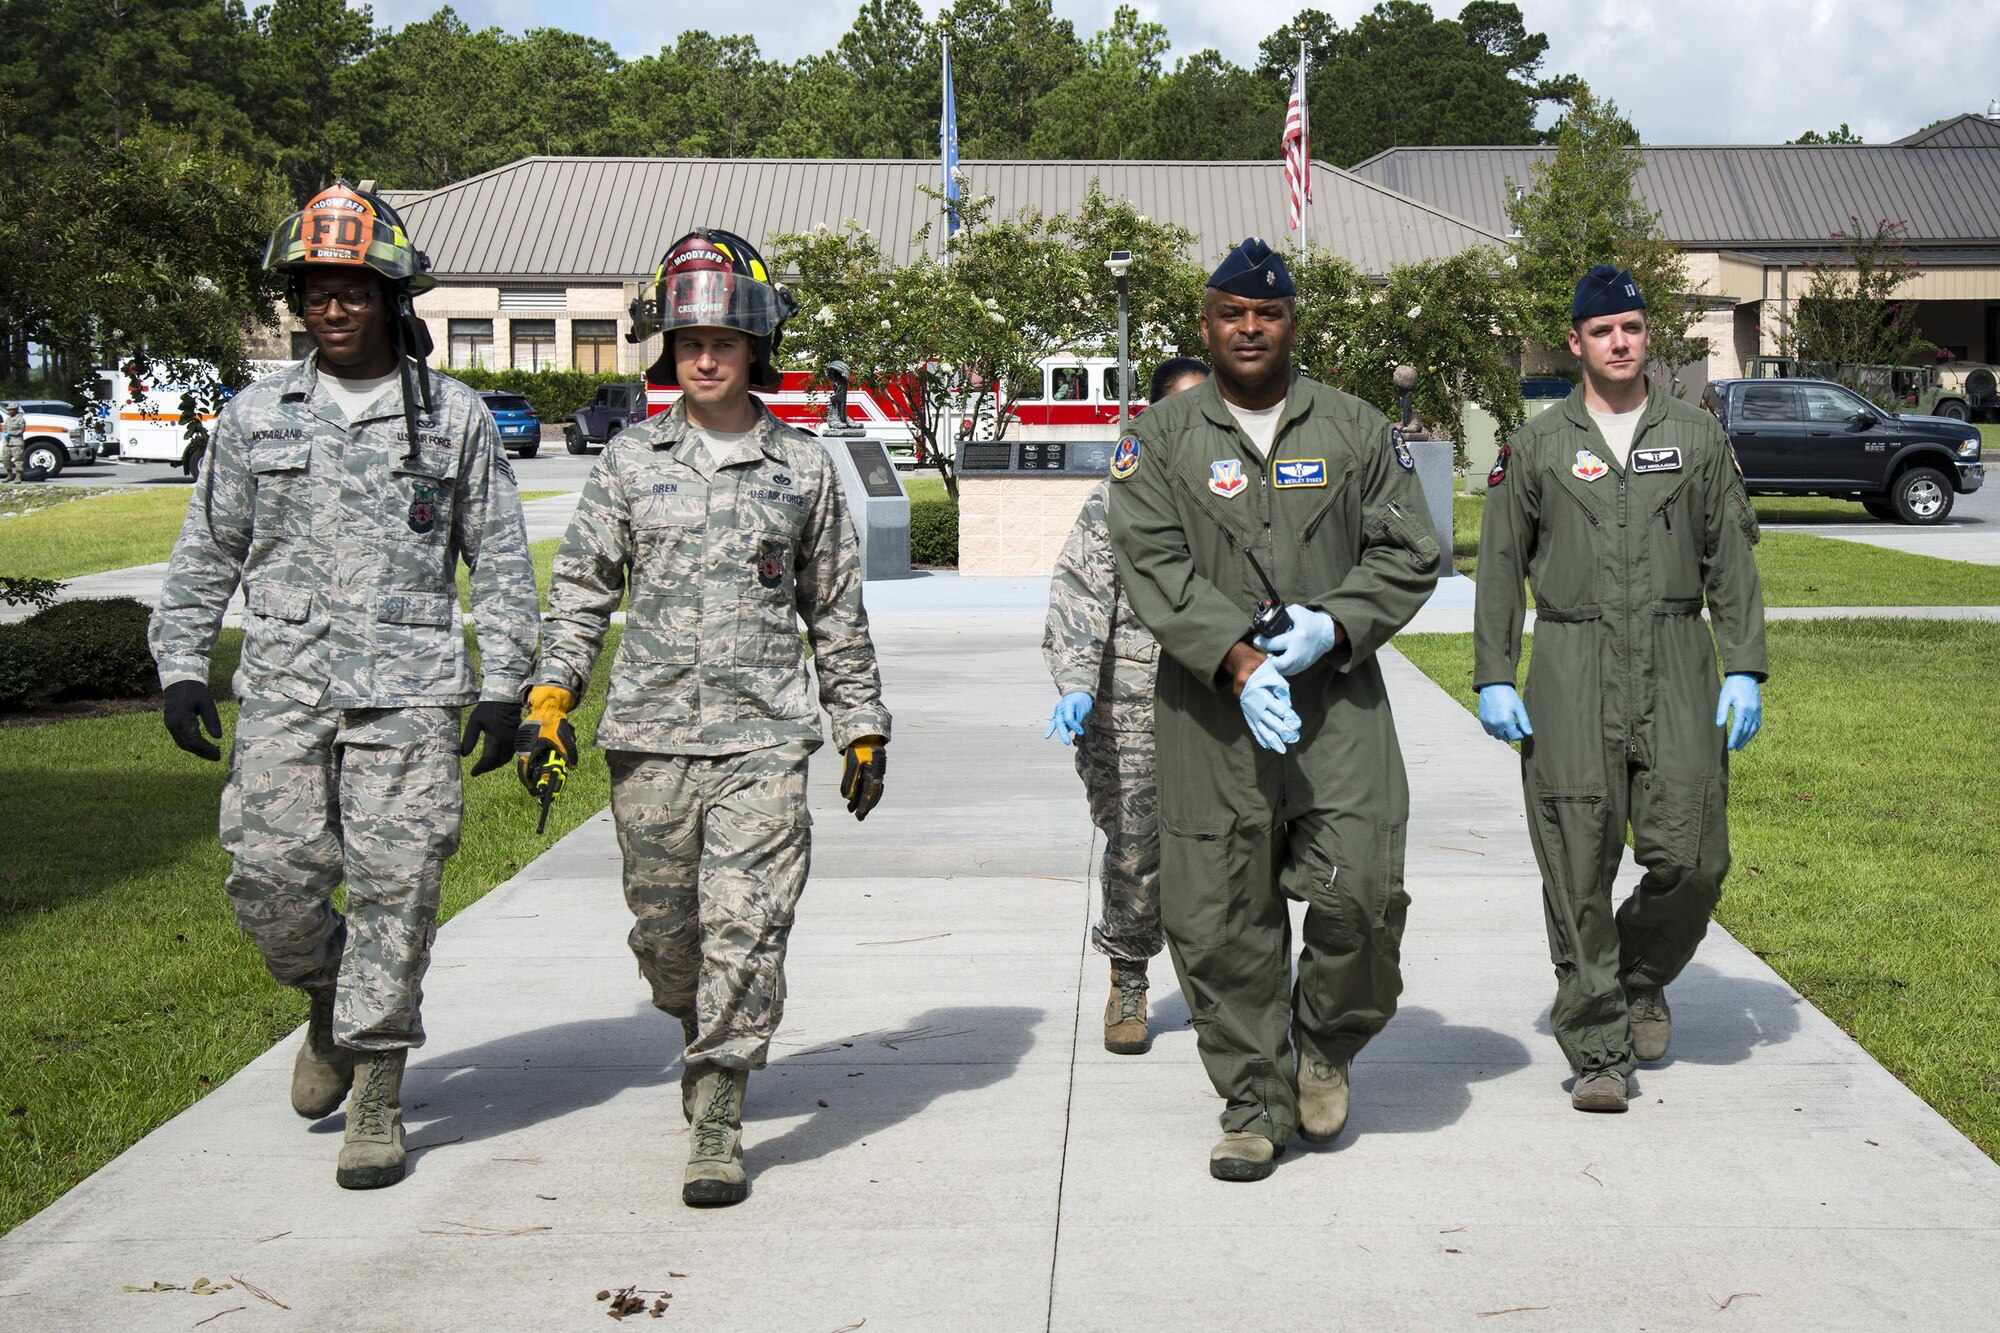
(412, 340)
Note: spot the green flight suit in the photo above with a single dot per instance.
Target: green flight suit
(1338, 521)
(1621, 688)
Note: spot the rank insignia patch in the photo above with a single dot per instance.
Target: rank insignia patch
(1300, 472)
(770, 564)
(423, 508)
(1125, 458)
(1589, 467)
(1404, 456)
(1656, 460)
(1225, 477)
(1499, 472)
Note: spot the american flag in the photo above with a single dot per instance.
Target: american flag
(1297, 145)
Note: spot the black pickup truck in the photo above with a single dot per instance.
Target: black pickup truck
(1815, 437)
(612, 409)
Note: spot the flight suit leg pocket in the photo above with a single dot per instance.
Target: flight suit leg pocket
(1669, 817)
(1569, 828)
(1197, 885)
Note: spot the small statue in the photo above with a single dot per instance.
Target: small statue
(837, 420)
(1412, 426)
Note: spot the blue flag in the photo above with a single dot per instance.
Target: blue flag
(948, 143)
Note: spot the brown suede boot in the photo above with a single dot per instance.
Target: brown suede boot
(715, 1142)
(1125, 1031)
(323, 1071)
(1599, 1090)
(371, 1156)
(1242, 1154)
(690, 1069)
(1652, 1023)
(1322, 1098)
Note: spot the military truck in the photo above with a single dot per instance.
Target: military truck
(612, 409)
(1958, 391)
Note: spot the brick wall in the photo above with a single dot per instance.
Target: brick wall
(1014, 524)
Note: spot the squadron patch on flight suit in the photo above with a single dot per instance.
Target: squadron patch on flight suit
(1588, 466)
(1499, 472)
(1404, 456)
(770, 563)
(1125, 458)
(1225, 477)
(423, 508)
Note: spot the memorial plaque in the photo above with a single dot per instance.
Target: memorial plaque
(985, 457)
(1042, 456)
(871, 463)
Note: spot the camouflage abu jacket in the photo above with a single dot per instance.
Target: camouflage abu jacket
(1092, 640)
(347, 555)
(723, 552)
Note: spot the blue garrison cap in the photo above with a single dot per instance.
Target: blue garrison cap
(1605, 291)
(1253, 269)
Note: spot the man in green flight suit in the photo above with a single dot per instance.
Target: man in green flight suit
(1279, 771)
(1624, 509)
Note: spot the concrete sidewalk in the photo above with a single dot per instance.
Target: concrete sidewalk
(942, 1143)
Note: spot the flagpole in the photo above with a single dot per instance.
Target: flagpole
(1305, 150)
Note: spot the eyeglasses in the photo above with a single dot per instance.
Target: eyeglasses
(355, 300)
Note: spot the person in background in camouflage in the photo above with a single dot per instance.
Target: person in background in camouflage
(1097, 649)
(725, 526)
(344, 528)
(14, 450)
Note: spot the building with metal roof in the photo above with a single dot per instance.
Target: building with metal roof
(1748, 218)
(538, 260)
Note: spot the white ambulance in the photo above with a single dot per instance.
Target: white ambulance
(140, 416)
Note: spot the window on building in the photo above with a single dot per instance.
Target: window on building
(1072, 385)
(533, 342)
(594, 345)
(471, 343)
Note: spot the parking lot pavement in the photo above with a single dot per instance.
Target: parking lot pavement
(941, 1142)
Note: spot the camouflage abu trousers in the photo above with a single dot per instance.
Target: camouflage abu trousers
(716, 850)
(373, 796)
(1118, 777)
(14, 459)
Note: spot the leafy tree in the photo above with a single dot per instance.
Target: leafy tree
(704, 96)
(1580, 209)
(1006, 56)
(1850, 317)
(1841, 135)
(296, 83)
(438, 103)
(1104, 110)
(1209, 109)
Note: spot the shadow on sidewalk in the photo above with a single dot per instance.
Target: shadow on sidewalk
(1417, 1074)
(1722, 1020)
(889, 1077)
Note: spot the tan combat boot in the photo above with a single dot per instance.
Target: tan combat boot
(1125, 1012)
(715, 1141)
(1322, 1098)
(1242, 1154)
(690, 1069)
(1599, 1090)
(372, 1154)
(323, 1071)
(1651, 1021)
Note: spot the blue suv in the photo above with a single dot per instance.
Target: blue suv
(520, 424)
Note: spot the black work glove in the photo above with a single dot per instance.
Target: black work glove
(497, 721)
(190, 707)
(861, 780)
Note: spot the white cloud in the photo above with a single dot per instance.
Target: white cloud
(1698, 71)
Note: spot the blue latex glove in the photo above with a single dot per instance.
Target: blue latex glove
(1740, 693)
(1267, 707)
(1503, 714)
(1309, 639)
(1071, 709)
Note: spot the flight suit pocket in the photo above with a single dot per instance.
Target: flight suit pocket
(767, 630)
(1196, 884)
(668, 532)
(1746, 516)
(1411, 531)
(281, 473)
(1668, 818)
(1570, 831)
(415, 648)
(276, 632)
(418, 506)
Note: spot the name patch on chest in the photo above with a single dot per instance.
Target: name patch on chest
(1656, 460)
(772, 495)
(1225, 477)
(1300, 472)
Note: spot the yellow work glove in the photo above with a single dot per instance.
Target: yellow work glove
(545, 746)
(861, 780)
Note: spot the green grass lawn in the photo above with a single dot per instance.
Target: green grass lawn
(540, 495)
(98, 530)
(126, 992)
(926, 487)
(1865, 857)
(1798, 569)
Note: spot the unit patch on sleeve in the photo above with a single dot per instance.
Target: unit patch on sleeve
(1404, 456)
(1225, 477)
(1499, 472)
(1656, 460)
(1125, 458)
(1301, 472)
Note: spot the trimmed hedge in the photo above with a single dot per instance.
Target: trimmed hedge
(555, 394)
(934, 533)
(91, 648)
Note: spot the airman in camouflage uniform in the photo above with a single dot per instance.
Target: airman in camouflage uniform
(345, 536)
(1104, 662)
(724, 536)
(14, 443)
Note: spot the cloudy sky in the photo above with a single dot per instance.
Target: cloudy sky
(1696, 71)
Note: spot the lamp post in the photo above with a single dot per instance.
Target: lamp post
(1120, 264)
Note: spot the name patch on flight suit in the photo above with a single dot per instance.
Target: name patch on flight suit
(1588, 466)
(1125, 458)
(1656, 460)
(1225, 477)
(1301, 472)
